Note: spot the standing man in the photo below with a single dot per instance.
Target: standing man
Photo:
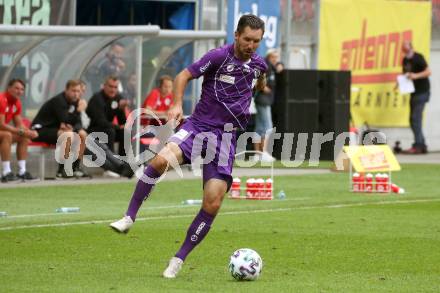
(230, 74)
(61, 115)
(263, 101)
(10, 110)
(416, 68)
(104, 106)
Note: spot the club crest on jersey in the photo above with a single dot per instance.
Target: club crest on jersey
(257, 73)
(227, 78)
(230, 67)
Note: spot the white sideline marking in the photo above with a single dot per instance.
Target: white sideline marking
(146, 208)
(332, 206)
(38, 215)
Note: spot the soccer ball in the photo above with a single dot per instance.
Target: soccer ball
(245, 264)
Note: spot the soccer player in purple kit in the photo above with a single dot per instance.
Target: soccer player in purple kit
(230, 74)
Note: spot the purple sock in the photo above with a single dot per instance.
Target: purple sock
(141, 192)
(195, 234)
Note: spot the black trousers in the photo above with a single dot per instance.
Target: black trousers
(114, 135)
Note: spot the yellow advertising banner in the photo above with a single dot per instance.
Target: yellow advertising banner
(365, 36)
(372, 158)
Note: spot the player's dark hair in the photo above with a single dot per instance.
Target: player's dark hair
(73, 82)
(250, 20)
(14, 80)
(111, 77)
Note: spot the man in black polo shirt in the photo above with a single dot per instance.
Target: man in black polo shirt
(61, 115)
(415, 67)
(104, 106)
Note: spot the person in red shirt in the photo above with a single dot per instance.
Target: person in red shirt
(16, 132)
(160, 99)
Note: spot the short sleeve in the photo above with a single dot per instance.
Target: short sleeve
(3, 106)
(151, 99)
(209, 62)
(423, 62)
(17, 108)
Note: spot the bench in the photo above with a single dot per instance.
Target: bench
(42, 148)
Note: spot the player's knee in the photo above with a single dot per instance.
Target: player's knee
(212, 204)
(212, 207)
(82, 134)
(6, 136)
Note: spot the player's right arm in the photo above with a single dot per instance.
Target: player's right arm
(180, 83)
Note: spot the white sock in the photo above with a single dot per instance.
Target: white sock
(6, 165)
(21, 167)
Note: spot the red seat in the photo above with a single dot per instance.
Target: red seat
(41, 144)
(150, 141)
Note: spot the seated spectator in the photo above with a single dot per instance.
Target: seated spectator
(10, 110)
(104, 106)
(160, 99)
(61, 115)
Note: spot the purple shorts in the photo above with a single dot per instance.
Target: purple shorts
(215, 146)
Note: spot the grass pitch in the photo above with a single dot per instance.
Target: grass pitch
(321, 238)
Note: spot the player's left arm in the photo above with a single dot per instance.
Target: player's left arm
(22, 129)
(261, 82)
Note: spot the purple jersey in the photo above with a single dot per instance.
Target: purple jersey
(227, 87)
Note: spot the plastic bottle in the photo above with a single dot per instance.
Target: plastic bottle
(397, 189)
(3, 214)
(250, 187)
(386, 182)
(192, 201)
(369, 182)
(361, 182)
(355, 182)
(67, 210)
(379, 187)
(235, 188)
(259, 186)
(269, 192)
(281, 194)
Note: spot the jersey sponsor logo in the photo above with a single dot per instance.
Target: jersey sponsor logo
(195, 236)
(204, 67)
(246, 68)
(199, 229)
(230, 67)
(227, 78)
